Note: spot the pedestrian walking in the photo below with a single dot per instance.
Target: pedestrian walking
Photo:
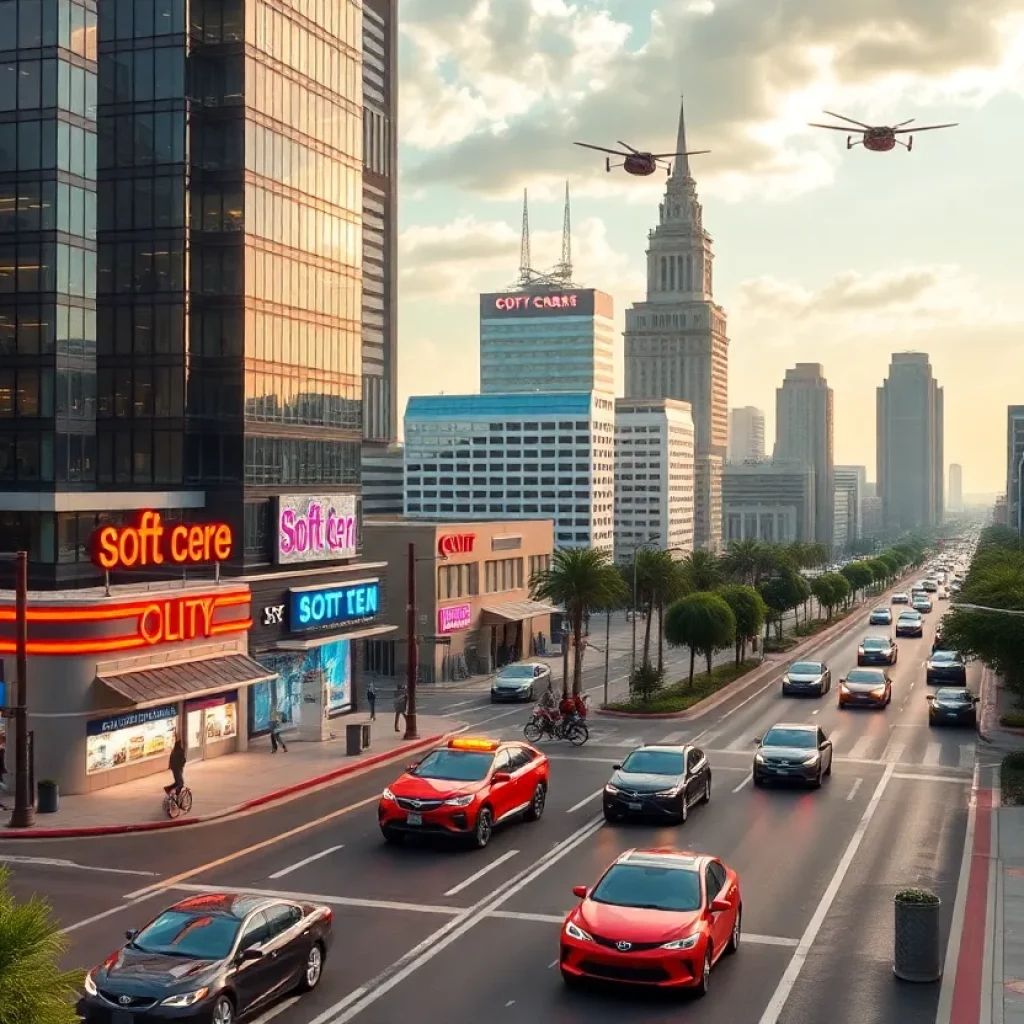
(276, 740)
(371, 700)
(401, 703)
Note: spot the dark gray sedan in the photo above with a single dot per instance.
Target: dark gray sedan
(792, 753)
(953, 705)
(812, 678)
(946, 667)
(658, 782)
(865, 687)
(877, 650)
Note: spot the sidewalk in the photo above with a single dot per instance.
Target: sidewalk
(228, 785)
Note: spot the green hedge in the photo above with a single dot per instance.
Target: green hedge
(680, 696)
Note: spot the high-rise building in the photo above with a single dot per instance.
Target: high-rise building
(654, 494)
(746, 434)
(910, 444)
(380, 225)
(515, 456)
(382, 479)
(853, 480)
(955, 497)
(1015, 467)
(871, 517)
(676, 342)
(803, 433)
(768, 501)
(547, 338)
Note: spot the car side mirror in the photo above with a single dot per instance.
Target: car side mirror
(131, 934)
(616, 767)
(929, 697)
(757, 741)
(719, 905)
(976, 699)
(501, 777)
(250, 954)
(579, 891)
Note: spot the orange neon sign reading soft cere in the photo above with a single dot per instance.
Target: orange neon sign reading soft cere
(149, 542)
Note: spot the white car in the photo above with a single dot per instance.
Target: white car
(524, 681)
(900, 598)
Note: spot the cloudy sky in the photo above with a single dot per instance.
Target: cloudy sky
(823, 254)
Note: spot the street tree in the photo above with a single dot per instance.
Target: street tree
(750, 612)
(704, 622)
(831, 589)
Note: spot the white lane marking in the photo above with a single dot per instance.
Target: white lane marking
(341, 901)
(853, 789)
(308, 860)
(630, 741)
(774, 1009)
(834, 737)
(48, 862)
(769, 940)
(463, 703)
(741, 743)
(861, 747)
(893, 752)
(815, 712)
(359, 999)
(746, 782)
(509, 1003)
(554, 963)
(932, 756)
(586, 800)
(921, 777)
(516, 915)
(275, 1011)
(477, 875)
(674, 737)
(120, 908)
(967, 755)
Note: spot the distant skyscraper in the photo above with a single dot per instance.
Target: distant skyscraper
(746, 434)
(955, 497)
(910, 444)
(769, 501)
(1015, 467)
(676, 341)
(803, 433)
(852, 480)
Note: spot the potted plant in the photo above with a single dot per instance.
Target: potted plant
(917, 956)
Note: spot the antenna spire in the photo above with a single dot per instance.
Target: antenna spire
(525, 270)
(564, 268)
(681, 168)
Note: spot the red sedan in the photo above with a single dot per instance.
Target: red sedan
(659, 918)
(464, 790)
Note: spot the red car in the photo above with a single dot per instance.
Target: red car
(659, 918)
(464, 790)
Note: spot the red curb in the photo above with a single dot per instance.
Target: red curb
(248, 805)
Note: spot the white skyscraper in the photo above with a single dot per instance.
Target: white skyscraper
(746, 434)
(955, 498)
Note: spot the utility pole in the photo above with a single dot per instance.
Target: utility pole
(566, 641)
(413, 652)
(607, 644)
(24, 815)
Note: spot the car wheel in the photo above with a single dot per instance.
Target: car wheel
(705, 975)
(816, 782)
(931, 720)
(707, 789)
(684, 809)
(536, 808)
(734, 935)
(484, 828)
(223, 1011)
(828, 770)
(314, 968)
(785, 691)
(391, 836)
(610, 818)
(758, 781)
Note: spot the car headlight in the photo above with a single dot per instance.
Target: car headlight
(186, 998)
(688, 943)
(860, 650)
(811, 758)
(460, 801)
(845, 690)
(611, 789)
(759, 758)
(90, 985)
(387, 795)
(878, 691)
(785, 679)
(577, 933)
(674, 791)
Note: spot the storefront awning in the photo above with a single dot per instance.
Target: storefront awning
(322, 639)
(187, 679)
(517, 611)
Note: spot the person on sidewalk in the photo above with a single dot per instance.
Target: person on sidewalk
(401, 703)
(276, 740)
(176, 766)
(371, 700)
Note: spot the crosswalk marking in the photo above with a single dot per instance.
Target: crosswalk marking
(860, 748)
(631, 741)
(893, 752)
(674, 737)
(967, 755)
(739, 744)
(933, 755)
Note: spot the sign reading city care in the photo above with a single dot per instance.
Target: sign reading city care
(149, 541)
(323, 607)
(454, 618)
(456, 544)
(518, 305)
(316, 528)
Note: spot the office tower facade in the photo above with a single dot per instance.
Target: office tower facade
(380, 225)
(382, 479)
(746, 434)
(853, 480)
(676, 341)
(872, 518)
(803, 433)
(770, 501)
(547, 338)
(515, 456)
(955, 495)
(909, 442)
(1015, 467)
(654, 491)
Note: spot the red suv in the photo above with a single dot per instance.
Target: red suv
(464, 789)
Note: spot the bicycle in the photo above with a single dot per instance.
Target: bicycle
(178, 803)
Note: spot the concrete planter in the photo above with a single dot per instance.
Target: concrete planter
(916, 954)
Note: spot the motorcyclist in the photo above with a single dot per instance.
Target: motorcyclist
(579, 705)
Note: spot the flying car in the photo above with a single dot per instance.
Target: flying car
(636, 162)
(878, 138)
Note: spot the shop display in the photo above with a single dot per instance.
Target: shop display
(221, 723)
(130, 738)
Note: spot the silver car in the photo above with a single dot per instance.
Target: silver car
(520, 682)
(807, 677)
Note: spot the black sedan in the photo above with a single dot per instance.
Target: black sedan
(865, 687)
(910, 624)
(946, 667)
(880, 617)
(953, 705)
(658, 782)
(877, 650)
(212, 958)
(792, 753)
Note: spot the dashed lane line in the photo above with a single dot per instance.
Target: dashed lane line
(53, 862)
(307, 860)
(477, 875)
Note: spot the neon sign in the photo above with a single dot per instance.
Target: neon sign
(149, 542)
(322, 607)
(316, 528)
(454, 617)
(515, 303)
(456, 544)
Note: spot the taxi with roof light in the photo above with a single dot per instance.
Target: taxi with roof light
(464, 790)
(655, 918)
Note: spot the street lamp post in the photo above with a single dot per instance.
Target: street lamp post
(23, 815)
(412, 655)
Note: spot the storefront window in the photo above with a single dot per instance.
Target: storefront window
(130, 738)
(285, 693)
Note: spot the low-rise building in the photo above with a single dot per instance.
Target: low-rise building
(771, 502)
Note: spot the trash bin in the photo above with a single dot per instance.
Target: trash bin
(357, 738)
(48, 797)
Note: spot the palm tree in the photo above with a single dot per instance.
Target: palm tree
(742, 560)
(703, 570)
(580, 580)
(667, 583)
(33, 988)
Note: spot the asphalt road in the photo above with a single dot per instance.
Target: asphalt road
(440, 934)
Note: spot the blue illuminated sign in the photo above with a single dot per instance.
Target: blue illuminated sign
(323, 607)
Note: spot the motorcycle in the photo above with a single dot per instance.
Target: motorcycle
(545, 722)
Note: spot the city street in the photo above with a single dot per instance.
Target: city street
(424, 932)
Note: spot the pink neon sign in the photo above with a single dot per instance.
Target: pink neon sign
(511, 303)
(454, 617)
(313, 529)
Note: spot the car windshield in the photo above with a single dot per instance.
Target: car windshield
(783, 737)
(946, 657)
(880, 611)
(806, 668)
(865, 676)
(654, 762)
(198, 936)
(910, 617)
(455, 765)
(516, 672)
(649, 887)
(875, 643)
(951, 696)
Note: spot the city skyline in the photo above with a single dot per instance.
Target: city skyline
(767, 187)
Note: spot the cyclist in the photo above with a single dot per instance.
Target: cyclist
(176, 764)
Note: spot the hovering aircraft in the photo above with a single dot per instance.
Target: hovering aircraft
(636, 162)
(878, 139)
